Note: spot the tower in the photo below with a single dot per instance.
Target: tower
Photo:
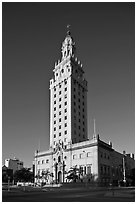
(68, 98)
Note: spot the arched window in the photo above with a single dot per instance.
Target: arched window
(59, 159)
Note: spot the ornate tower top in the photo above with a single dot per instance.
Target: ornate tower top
(68, 45)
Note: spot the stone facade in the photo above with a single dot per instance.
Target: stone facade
(69, 143)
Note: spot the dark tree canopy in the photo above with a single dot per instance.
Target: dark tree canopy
(24, 175)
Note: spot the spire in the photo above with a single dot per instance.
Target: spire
(67, 45)
(68, 29)
(94, 133)
(94, 127)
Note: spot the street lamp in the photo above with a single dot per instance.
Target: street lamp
(124, 168)
(85, 166)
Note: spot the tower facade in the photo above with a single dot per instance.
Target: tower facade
(68, 98)
(70, 147)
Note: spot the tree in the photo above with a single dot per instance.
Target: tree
(73, 173)
(23, 175)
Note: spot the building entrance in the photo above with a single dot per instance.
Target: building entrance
(59, 177)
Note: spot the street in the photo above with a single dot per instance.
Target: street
(70, 195)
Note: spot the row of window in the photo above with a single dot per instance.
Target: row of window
(79, 118)
(65, 110)
(82, 155)
(60, 92)
(65, 103)
(60, 114)
(62, 71)
(85, 170)
(104, 169)
(104, 155)
(65, 139)
(65, 132)
(60, 85)
(43, 161)
(75, 125)
(79, 85)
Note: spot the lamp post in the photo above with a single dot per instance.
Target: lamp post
(85, 166)
(124, 169)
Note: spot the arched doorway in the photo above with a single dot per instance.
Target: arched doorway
(59, 177)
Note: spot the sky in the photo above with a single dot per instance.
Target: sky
(32, 34)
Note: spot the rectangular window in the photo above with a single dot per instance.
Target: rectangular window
(65, 103)
(54, 89)
(54, 95)
(59, 92)
(65, 117)
(59, 133)
(65, 110)
(65, 82)
(74, 156)
(47, 161)
(88, 169)
(65, 132)
(74, 96)
(65, 124)
(54, 102)
(81, 156)
(74, 103)
(55, 109)
(89, 154)
(65, 139)
(54, 115)
(59, 119)
(42, 161)
(65, 96)
(74, 89)
(66, 89)
(60, 106)
(59, 112)
(85, 170)
(54, 128)
(59, 99)
(79, 106)
(59, 85)
(60, 127)
(74, 110)
(54, 121)
(54, 135)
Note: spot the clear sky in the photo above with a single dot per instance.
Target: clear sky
(32, 37)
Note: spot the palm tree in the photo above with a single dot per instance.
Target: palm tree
(73, 173)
